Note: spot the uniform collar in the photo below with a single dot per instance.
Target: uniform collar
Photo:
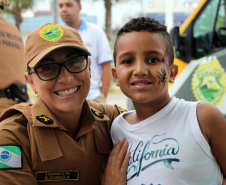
(40, 109)
(46, 139)
(88, 118)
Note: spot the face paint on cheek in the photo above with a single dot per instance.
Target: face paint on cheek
(165, 60)
(162, 76)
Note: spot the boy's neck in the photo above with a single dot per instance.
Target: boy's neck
(144, 111)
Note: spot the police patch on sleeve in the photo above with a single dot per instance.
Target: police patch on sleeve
(10, 157)
(98, 114)
(44, 119)
(120, 109)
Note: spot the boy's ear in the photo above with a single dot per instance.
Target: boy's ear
(114, 74)
(173, 73)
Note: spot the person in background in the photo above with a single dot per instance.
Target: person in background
(172, 141)
(12, 83)
(96, 42)
(62, 138)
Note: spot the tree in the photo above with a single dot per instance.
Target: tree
(108, 5)
(16, 8)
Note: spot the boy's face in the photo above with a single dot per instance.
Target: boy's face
(142, 67)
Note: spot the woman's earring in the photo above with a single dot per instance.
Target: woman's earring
(36, 94)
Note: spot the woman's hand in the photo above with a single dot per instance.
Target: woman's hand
(115, 172)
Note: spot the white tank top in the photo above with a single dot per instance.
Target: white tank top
(168, 148)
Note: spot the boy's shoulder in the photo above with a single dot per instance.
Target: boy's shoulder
(210, 119)
(208, 112)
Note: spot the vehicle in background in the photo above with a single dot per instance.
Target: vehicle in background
(200, 48)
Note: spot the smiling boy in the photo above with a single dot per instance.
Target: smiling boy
(171, 141)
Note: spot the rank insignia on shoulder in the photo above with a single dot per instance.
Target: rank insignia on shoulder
(120, 109)
(44, 119)
(98, 114)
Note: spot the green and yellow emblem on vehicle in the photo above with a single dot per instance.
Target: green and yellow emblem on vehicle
(51, 32)
(209, 82)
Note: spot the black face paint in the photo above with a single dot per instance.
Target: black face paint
(162, 75)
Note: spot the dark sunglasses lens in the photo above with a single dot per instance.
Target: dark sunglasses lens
(76, 64)
(48, 71)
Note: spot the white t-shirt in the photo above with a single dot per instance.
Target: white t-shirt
(168, 148)
(95, 40)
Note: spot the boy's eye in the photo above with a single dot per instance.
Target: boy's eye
(127, 61)
(153, 60)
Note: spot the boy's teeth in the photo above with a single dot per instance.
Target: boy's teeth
(67, 92)
(140, 83)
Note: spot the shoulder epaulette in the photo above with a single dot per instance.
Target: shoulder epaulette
(120, 109)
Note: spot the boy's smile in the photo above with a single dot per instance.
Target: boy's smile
(141, 83)
(142, 67)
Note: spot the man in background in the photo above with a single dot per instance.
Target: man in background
(12, 82)
(96, 42)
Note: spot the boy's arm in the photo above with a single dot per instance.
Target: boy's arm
(213, 127)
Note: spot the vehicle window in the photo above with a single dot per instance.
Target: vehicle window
(203, 30)
(220, 28)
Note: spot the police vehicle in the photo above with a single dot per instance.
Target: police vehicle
(200, 48)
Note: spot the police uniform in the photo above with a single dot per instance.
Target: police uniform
(36, 149)
(11, 61)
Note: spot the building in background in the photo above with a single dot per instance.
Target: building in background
(158, 9)
(94, 11)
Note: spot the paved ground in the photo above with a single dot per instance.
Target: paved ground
(118, 99)
(115, 96)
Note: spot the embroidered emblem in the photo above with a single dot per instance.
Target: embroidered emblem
(44, 119)
(98, 114)
(51, 32)
(209, 82)
(57, 176)
(120, 109)
(10, 157)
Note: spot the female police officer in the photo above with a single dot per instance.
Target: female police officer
(62, 138)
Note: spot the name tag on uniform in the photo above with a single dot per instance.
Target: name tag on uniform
(57, 176)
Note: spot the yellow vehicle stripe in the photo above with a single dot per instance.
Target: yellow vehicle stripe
(192, 16)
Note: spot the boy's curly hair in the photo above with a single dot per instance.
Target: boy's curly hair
(146, 24)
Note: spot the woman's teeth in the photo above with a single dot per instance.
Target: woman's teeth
(67, 92)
